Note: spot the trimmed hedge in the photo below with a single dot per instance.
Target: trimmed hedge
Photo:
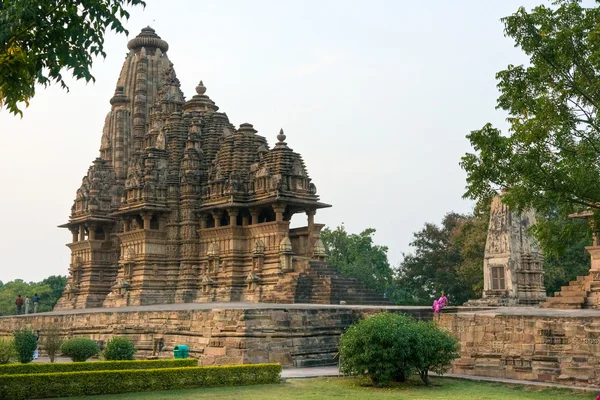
(67, 384)
(48, 368)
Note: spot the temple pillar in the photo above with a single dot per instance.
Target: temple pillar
(254, 217)
(92, 232)
(233, 213)
(311, 225)
(75, 234)
(245, 220)
(147, 218)
(81, 233)
(279, 210)
(203, 221)
(217, 218)
(311, 219)
(126, 225)
(162, 222)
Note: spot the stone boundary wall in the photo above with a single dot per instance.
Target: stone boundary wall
(291, 336)
(559, 348)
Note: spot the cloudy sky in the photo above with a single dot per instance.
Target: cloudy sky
(376, 95)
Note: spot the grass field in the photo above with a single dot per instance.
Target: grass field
(358, 388)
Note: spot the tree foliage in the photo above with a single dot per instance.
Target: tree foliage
(357, 256)
(49, 290)
(447, 258)
(39, 39)
(563, 241)
(549, 159)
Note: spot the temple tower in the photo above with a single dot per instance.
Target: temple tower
(182, 206)
(513, 262)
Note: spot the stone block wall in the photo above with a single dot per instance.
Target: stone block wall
(551, 348)
(290, 336)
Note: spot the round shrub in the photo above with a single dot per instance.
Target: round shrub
(25, 344)
(79, 349)
(119, 348)
(379, 346)
(389, 347)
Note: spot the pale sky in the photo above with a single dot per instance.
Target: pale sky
(376, 95)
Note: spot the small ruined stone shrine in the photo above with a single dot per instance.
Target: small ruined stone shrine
(182, 206)
(513, 261)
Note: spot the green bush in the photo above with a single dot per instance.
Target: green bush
(379, 345)
(45, 368)
(25, 344)
(7, 351)
(119, 348)
(388, 347)
(434, 350)
(79, 349)
(38, 386)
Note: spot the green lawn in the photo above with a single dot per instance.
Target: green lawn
(357, 388)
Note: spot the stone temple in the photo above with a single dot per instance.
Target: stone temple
(513, 263)
(182, 206)
(186, 219)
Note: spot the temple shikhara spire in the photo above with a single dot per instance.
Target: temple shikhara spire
(513, 264)
(182, 206)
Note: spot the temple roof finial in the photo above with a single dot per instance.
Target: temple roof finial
(281, 137)
(201, 89)
(148, 38)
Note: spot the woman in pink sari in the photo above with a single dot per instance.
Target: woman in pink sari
(439, 304)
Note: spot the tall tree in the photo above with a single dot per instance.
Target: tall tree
(357, 256)
(57, 283)
(39, 39)
(432, 268)
(550, 156)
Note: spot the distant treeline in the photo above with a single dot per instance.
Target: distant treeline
(49, 290)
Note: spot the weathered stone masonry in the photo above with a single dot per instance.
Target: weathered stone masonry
(295, 336)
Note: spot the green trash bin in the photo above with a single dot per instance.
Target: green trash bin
(181, 351)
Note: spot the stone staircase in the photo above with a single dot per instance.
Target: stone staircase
(581, 293)
(322, 284)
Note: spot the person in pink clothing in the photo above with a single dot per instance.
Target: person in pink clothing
(439, 304)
